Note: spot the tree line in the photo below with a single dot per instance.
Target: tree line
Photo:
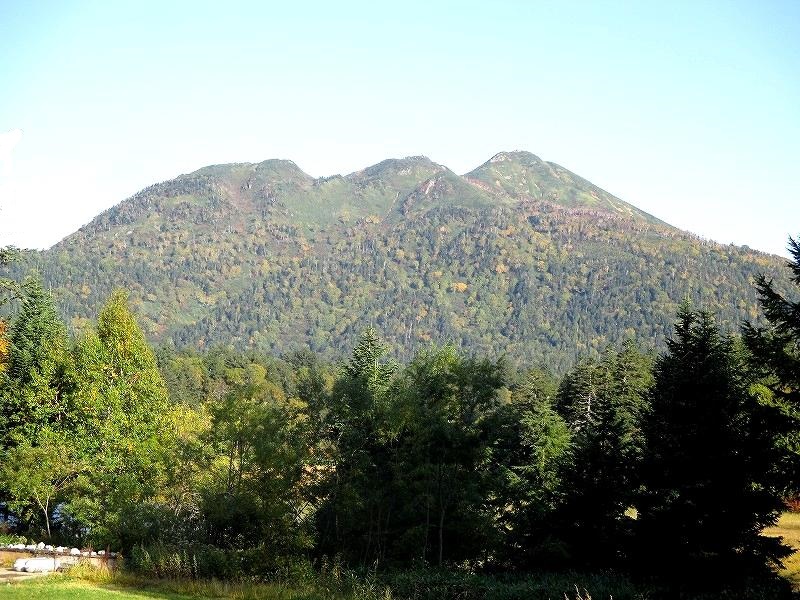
(654, 465)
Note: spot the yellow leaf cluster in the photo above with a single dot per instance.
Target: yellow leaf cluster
(3, 346)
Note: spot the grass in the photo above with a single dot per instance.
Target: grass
(788, 528)
(56, 587)
(93, 584)
(59, 587)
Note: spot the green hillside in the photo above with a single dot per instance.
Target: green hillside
(519, 257)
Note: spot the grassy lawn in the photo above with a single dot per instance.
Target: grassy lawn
(789, 529)
(59, 587)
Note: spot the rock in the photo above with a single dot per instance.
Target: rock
(41, 565)
(19, 564)
(74, 552)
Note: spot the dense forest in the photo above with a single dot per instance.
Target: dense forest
(450, 463)
(519, 257)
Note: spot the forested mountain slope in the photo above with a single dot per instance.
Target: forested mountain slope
(520, 256)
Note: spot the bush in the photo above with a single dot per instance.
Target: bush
(210, 562)
(430, 584)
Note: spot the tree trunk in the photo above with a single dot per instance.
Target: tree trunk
(441, 534)
(46, 510)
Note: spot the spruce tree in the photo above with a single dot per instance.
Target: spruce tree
(774, 358)
(36, 389)
(776, 347)
(708, 486)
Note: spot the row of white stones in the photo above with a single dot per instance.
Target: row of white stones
(42, 547)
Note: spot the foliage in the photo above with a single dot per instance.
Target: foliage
(124, 403)
(264, 257)
(775, 357)
(447, 474)
(530, 454)
(39, 475)
(9, 289)
(604, 403)
(709, 489)
(35, 394)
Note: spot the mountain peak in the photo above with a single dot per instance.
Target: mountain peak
(524, 175)
(522, 156)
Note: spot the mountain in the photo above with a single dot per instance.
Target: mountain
(518, 257)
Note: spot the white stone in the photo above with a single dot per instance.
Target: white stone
(19, 564)
(41, 565)
(74, 552)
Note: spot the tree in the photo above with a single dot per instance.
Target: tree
(775, 360)
(4, 347)
(7, 255)
(256, 495)
(443, 469)
(40, 474)
(358, 431)
(604, 403)
(37, 390)
(9, 289)
(708, 485)
(123, 401)
(529, 456)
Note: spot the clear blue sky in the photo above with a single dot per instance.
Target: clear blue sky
(689, 110)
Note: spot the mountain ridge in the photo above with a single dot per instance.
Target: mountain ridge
(518, 256)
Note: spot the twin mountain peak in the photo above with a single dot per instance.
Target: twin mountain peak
(409, 187)
(518, 257)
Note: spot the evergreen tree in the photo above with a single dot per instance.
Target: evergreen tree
(604, 403)
(708, 483)
(9, 288)
(358, 432)
(529, 456)
(36, 390)
(775, 359)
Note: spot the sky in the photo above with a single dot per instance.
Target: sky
(688, 110)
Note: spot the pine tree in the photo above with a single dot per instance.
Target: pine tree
(708, 484)
(529, 454)
(36, 391)
(774, 358)
(604, 403)
(776, 348)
